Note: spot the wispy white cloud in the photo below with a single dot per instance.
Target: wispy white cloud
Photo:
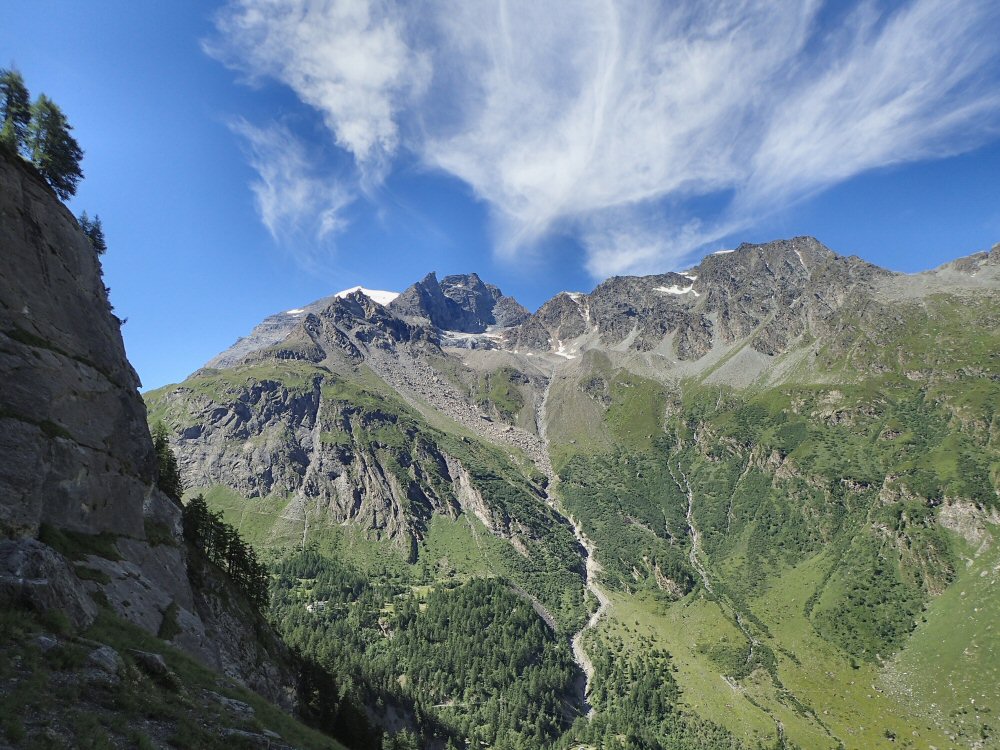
(916, 86)
(301, 209)
(604, 118)
(346, 58)
(611, 106)
(632, 240)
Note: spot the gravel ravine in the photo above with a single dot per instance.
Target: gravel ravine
(421, 385)
(592, 567)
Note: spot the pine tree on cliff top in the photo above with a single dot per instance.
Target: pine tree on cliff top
(54, 151)
(15, 109)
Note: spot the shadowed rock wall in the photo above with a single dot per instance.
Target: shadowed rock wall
(76, 457)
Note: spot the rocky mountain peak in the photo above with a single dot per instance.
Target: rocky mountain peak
(459, 302)
(770, 293)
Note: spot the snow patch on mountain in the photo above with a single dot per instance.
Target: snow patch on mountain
(676, 290)
(375, 295)
(561, 351)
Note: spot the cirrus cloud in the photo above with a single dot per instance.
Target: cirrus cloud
(606, 119)
(301, 209)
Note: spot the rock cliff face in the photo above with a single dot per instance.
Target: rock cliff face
(72, 425)
(79, 466)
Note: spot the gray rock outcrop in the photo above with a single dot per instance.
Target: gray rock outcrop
(34, 574)
(78, 465)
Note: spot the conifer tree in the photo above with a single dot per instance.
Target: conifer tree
(15, 109)
(54, 151)
(168, 475)
(8, 136)
(94, 231)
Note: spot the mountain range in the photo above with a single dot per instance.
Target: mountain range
(754, 502)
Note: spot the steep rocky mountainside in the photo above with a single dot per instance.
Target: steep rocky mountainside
(767, 296)
(327, 449)
(86, 538)
(777, 459)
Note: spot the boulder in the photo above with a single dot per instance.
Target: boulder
(35, 575)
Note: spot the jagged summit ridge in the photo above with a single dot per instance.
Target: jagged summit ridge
(768, 290)
(459, 302)
(769, 295)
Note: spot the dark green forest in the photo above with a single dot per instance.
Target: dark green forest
(469, 660)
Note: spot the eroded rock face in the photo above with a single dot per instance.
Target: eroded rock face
(73, 433)
(239, 644)
(364, 465)
(77, 453)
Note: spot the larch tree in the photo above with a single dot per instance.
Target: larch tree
(168, 475)
(54, 151)
(94, 231)
(15, 109)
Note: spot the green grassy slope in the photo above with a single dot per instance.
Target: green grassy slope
(949, 668)
(817, 508)
(53, 695)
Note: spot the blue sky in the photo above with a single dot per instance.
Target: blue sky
(250, 156)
